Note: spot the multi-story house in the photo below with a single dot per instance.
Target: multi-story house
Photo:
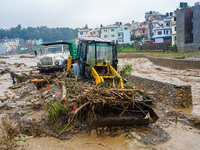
(142, 30)
(110, 32)
(87, 32)
(123, 35)
(162, 29)
(118, 33)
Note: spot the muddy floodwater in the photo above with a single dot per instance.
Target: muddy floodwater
(182, 136)
(145, 68)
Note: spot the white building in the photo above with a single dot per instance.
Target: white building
(162, 30)
(2, 49)
(173, 30)
(118, 33)
(110, 32)
(124, 35)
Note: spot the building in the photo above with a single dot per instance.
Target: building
(109, 32)
(151, 15)
(88, 32)
(2, 49)
(188, 28)
(174, 30)
(162, 29)
(124, 35)
(142, 30)
(118, 33)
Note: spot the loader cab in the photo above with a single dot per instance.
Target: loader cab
(95, 52)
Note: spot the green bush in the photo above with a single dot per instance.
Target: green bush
(173, 48)
(126, 70)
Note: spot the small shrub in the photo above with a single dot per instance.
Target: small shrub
(54, 110)
(173, 48)
(126, 70)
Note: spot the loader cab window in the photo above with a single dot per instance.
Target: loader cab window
(82, 52)
(104, 53)
(91, 54)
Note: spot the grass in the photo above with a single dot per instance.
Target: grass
(127, 49)
(162, 55)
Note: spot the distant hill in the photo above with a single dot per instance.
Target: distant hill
(47, 34)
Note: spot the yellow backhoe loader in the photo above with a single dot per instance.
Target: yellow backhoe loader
(97, 60)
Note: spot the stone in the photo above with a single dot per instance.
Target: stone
(135, 135)
(94, 133)
(133, 144)
(2, 105)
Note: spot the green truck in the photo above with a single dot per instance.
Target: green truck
(54, 56)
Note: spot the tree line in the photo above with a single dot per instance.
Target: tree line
(47, 34)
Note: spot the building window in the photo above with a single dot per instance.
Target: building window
(167, 32)
(105, 30)
(174, 18)
(112, 30)
(112, 35)
(81, 33)
(94, 32)
(159, 32)
(105, 36)
(175, 29)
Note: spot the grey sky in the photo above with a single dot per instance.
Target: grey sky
(77, 13)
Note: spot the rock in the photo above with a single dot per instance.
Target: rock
(94, 133)
(135, 135)
(21, 113)
(2, 105)
(133, 144)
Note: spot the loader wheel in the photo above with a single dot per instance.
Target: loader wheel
(71, 74)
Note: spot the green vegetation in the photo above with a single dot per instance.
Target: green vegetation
(54, 110)
(126, 70)
(2, 62)
(47, 34)
(161, 54)
(127, 49)
(138, 38)
(173, 48)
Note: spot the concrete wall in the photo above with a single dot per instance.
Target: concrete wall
(196, 24)
(175, 95)
(188, 29)
(180, 28)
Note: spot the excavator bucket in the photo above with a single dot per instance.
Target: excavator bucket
(118, 116)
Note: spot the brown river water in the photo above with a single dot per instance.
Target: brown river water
(183, 137)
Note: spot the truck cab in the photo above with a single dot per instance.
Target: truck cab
(54, 56)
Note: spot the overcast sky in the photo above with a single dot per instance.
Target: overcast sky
(77, 13)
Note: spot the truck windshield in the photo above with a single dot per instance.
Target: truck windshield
(56, 49)
(104, 53)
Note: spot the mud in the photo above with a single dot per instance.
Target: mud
(8, 129)
(30, 118)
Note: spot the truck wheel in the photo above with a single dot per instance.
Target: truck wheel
(65, 62)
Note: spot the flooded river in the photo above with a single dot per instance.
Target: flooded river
(145, 68)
